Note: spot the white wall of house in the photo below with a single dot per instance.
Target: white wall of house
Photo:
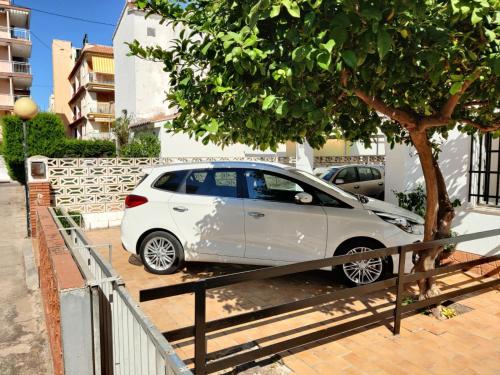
(403, 172)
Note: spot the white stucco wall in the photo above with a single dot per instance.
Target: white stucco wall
(403, 172)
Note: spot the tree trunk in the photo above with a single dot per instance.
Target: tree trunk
(439, 211)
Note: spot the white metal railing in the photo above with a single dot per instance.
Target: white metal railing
(102, 108)
(21, 67)
(100, 135)
(126, 341)
(93, 77)
(15, 32)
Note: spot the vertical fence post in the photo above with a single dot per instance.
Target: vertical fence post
(400, 290)
(200, 342)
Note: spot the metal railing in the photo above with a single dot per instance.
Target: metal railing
(21, 67)
(108, 79)
(16, 32)
(15, 67)
(220, 361)
(125, 341)
(102, 108)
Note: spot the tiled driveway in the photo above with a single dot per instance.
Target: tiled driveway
(466, 344)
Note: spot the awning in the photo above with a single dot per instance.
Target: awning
(104, 65)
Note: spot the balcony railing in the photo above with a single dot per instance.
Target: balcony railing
(14, 67)
(100, 135)
(15, 33)
(21, 67)
(108, 79)
(102, 108)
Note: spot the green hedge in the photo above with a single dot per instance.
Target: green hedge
(45, 137)
(143, 146)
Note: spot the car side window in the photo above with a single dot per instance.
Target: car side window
(268, 186)
(348, 175)
(376, 174)
(170, 181)
(329, 201)
(213, 182)
(365, 174)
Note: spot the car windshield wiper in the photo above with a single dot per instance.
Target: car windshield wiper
(362, 198)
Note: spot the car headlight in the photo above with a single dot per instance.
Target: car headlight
(402, 222)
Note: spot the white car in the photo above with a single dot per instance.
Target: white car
(258, 213)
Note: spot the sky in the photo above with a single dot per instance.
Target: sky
(45, 28)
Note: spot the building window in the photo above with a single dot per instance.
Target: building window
(151, 31)
(484, 171)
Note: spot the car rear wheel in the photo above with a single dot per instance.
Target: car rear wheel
(365, 271)
(161, 253)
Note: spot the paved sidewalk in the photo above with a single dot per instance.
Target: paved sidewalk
(23, 343)
(466, 344)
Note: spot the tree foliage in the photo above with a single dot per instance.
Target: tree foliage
(267, 71)
(142, 146)
(121, 128)
(262, 72)
(45, 136)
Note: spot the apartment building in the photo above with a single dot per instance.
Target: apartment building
(84, 88)
(15, 51)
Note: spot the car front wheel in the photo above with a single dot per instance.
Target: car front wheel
(161, 253)
(365, 271)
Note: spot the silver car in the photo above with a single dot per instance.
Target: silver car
(357, 179)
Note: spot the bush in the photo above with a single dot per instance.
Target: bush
(1, 148)
(143, 146)
(46, 137)
(76, 148)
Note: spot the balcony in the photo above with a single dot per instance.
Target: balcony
(107, 109)
(106, 79)
(104, 136)
(15, 33)
(15, 67)
(6, 101)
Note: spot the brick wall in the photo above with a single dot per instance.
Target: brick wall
(58, 271)
(39, 196)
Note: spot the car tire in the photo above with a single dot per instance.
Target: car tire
(161, 253)
(364, 272)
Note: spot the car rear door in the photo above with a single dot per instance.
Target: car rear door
(277, 228)
(209, 213)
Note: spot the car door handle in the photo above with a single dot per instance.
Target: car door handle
(180, 209)
(256, 214)
(380, 183)
(356, 186)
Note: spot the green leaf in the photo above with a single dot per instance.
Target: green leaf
(275, 11)
(268, 102)
(212, 126)
(384, 43)
(371, 13)
(350, 59)
(339, 35)
(324, 59)
(292, 7)
(328, 45)
(249, 123)
(456, 87)
(475, 18)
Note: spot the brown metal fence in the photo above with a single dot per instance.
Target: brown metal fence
(219, 360)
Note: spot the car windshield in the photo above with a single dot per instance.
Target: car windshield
(324, 183)
(328, 174)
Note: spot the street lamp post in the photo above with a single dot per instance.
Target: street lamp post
(26, 109)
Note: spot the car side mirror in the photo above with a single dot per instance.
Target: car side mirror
(339, 181)
(303, 198)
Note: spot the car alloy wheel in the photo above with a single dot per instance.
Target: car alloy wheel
(159, 253)
(364, 271)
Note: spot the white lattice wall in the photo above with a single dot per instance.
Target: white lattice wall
(92, 186)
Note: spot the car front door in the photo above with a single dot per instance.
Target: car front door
(209, 213)
(347, 179)
(276, 227)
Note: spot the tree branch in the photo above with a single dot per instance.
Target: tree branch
(406, 119)
(453, 100)
(483, 128)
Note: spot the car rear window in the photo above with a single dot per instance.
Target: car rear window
(170, 181)
(217, 183)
